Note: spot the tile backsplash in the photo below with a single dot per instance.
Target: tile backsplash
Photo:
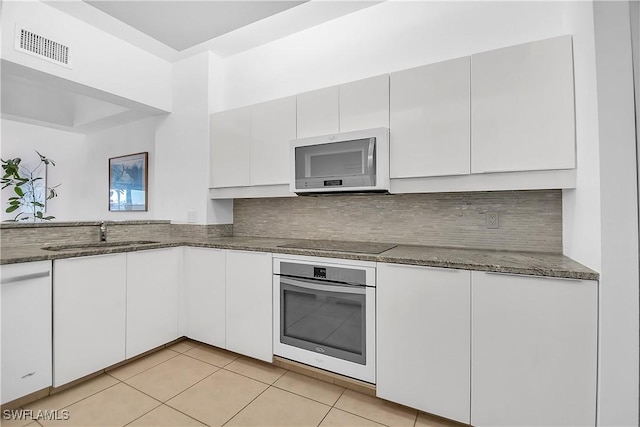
(527, 220)
(12, 234)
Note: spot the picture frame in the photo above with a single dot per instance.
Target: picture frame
(128, 183)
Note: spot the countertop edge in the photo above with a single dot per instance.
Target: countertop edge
(539, 271)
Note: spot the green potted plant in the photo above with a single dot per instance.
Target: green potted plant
(29, 189)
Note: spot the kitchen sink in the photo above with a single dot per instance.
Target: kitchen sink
(97, 245)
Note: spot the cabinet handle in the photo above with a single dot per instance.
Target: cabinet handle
(25, 277)
(30, 374)
(495, 171)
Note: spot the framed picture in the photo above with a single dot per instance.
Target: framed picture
(128, 188)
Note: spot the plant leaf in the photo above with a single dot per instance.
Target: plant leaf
(18, 191)
(12, 208)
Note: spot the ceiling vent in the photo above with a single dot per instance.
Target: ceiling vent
(42, 47)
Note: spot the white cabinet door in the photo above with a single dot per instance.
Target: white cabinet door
(273, 125)
(534, 351)
(430, 121)
(26, 328)
(318, 112)
(205, 295)
(364, 104)
(153, 280)
(424, 338)
(249, 304)
(89, 295)
(522, 107)
(230, 133)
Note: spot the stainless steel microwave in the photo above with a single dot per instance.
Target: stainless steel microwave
(345, 162)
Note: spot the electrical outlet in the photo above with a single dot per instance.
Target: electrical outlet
(493, 220)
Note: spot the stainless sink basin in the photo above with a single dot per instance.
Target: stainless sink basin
(100, 245)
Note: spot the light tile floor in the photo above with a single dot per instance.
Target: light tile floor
(192, 384)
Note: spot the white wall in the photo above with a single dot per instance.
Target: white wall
(82, 165)
(391, 36)
(93, 184)
(99, 60)
(619, 356)
(67, 149)
(581, 206)
(182, 145)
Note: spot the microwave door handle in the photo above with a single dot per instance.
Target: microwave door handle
(319, 286)
(372, 145)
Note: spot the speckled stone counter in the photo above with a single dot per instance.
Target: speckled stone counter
(529, 263)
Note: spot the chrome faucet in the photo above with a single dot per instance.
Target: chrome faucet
(103, 232)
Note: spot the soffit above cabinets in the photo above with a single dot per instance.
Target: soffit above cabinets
(31, 96)
(177, 29)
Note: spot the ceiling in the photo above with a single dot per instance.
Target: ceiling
(170, 29)
(184, 24)
(177, 29)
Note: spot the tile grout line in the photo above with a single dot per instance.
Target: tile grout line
(245, 406)
(155, 398)
(142, 415)
(173, 409)
(144, 370)
(325, 416)
(84, 398)
(210, 363)
(358, 415)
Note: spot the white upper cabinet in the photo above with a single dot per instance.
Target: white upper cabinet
(230, 133)
(273, 125)
(153, 281)
(430, 120)
(364, 104)
(318, 112)
(423, 336)
(358, 105)
(522, 108)
(534, 351)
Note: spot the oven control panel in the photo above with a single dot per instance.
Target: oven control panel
(350, 275)
(320, 272)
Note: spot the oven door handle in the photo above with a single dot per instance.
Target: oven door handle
(319, 286)
(371, 151)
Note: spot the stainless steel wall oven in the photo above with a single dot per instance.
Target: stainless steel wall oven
(324, 314)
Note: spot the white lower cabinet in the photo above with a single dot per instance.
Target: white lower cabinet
(153, 279)
(534, 351)
(423, 338)
(204, 292)
(249, 304)
(89, 300)
(26, 328)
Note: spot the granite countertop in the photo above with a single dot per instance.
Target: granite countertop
(528, 263)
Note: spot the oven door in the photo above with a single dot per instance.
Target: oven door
(328, 326)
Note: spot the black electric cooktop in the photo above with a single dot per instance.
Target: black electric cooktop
(330, 245)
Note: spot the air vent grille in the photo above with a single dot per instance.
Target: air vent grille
(35, 44)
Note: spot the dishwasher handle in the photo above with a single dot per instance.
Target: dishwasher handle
(24, 277)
